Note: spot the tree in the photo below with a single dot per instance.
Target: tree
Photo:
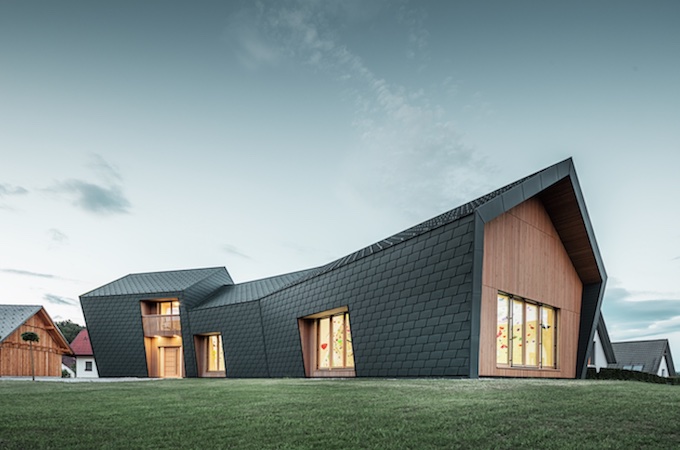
(69, 329)
(31, 337)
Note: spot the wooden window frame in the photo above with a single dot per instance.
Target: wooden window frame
(539, 336)
(345, 319)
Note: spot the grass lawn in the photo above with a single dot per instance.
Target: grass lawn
(339, 414)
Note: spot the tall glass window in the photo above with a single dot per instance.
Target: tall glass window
(334, 342)
(525, 333)
(215, 353)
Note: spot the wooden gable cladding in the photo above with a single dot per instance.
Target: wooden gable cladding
(524, 256)
(562, 206)
(15, 358)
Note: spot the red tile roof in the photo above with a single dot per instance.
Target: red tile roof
(81, 344)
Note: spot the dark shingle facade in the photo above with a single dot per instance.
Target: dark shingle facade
(413, 299)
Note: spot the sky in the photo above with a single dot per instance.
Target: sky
(275, 136)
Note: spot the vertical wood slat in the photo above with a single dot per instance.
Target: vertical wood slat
(523, 255)
(15, 357)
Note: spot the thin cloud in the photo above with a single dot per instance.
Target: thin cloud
(639, 318)
(8, 189)
(409, 154)
(105, 169)
(57, 236)
(27, 273)
(57, 300)
(94, 198)
(232, 250)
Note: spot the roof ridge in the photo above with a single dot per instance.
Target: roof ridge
(430, 224)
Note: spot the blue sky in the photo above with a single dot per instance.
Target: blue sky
(274, 136)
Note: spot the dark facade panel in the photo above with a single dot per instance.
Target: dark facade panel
(241, 329)
(409, 308)
(115, 327)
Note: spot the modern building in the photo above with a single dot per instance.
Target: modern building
(507, 285)
(15, 353)
(652, 356)
(86, 366)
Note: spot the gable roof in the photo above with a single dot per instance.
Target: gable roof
(252, 290)
(646, 353)
(81, 345)
(156, 282)
(13, 316)
(556, 186)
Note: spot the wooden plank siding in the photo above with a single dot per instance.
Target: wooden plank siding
(524, 256)
(15, 355)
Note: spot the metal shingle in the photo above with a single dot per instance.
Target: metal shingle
(13, 316)
(154, 282)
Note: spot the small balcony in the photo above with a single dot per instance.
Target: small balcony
(161, 325)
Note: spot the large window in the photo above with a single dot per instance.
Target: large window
(215, 353)
(525, 333)
(334, 342)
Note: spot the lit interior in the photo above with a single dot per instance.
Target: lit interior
(334, 342)
(525, 333)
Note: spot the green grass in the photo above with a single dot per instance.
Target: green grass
(320, 414)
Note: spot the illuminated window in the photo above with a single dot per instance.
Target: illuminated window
(334, 342)
(168, 308)
(215, 354)
(525, 333)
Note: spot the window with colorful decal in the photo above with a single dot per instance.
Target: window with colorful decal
(525, 333)
(215, 353)
(334, 342)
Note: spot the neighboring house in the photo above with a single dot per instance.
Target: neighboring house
(652, 356)
(601, 354)
(69, 371)
(86, 367)
(15, 357)
(509, 284)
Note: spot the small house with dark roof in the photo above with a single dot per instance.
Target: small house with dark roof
(86, 366)
(652, 356)
(509, 284)
(15, 353)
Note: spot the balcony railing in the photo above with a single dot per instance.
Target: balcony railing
(161, 325)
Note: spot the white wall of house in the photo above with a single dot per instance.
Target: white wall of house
(82, 367)
(663, 368)
(598, 359)
(68, 369)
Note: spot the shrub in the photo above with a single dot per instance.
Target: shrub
(631, 375)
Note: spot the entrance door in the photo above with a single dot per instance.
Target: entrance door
(171, 362)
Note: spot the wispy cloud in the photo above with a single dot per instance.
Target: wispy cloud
(57, 300)
(418, 36)
(104, 197)
(57, 236)
(409, 153)
(630, 318)
(104, 168)
(94, 198)
(232, 250)
(8, 189)
(27, 273)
